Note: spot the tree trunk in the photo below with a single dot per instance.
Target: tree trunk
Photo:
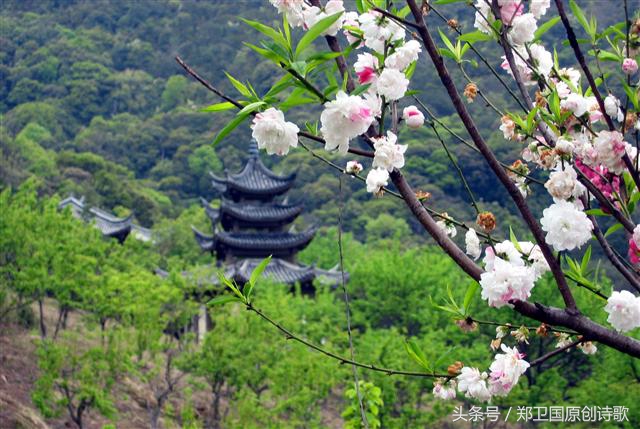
(154, 417)
(43, 328)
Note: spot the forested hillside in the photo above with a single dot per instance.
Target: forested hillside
(93, 103)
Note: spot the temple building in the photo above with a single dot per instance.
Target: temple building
(250, 224)
(110, 225)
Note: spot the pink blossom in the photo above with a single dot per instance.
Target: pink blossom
(629, 66)
(634, 252)
(510, 10)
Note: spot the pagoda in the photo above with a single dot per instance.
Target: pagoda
(108, 224)
(250, 224)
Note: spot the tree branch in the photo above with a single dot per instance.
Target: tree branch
(571, 36)
(513, 191)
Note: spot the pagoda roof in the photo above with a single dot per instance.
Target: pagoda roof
(254, 181)
(255, 243)
(252, 215)
(278, 270)
(107, 223)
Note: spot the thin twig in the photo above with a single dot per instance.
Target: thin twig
(291, 336)
(347, 307)
(555, 352)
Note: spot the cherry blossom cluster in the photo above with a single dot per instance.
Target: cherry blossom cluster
(382, 67)
(577, 146)
(504, 373)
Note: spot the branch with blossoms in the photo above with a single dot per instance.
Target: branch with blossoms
(567, 129)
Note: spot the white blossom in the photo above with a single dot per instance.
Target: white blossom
(541, 59)
(404, 55)
(636, 235)
(588, 348)
(576, 104)
(388, 154)
(377, 179)
(506, 281)
(624, 310)
(610, 149)
(564, 146)
(539, 7)
(353, 167)
(344, 118)
(272, 133)
(292, 9)
(522, 29)
(563, 340)
(351, 20)
(612, 107)
(483, 15)
(444, 390)
(508, 127)
(506, 370)
(473, 384)
(314, 14)
(563, 183)
(377, 30)
(392, 84)
(566, 226)
(413, 117)
(472, 244)
(365, 68)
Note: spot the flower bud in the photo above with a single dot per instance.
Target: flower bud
(543, 330)
(629, 66)
(467, 325)
(413, 117)
(470, 92)
(453, 23)
(455, 368)
(486, 221)
(353, 167)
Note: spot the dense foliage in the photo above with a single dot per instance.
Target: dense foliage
(92, 103)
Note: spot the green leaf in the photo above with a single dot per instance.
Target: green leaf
(514, 240)
(585, 260)
(475, 36)
(255, 275)
(612, 229)
(267, 53)
(360, 89)
(447, 42)
(251, 107)
(228, 128)
(596, 212)
(410, 70)
(468, 296)
(545, 27)
(274, 35)
(577, 12)
(449, 1)
(224, 299)
(242, 88)
(218, 107)
(315, 31)
(416, 354)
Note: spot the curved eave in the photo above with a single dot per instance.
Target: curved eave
(206, 242)
(278, 270)
(255, 171)
(266, 241)
(273, 214)
(212, 214)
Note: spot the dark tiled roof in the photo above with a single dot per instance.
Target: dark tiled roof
(254, 179)
(278, 270)
(206, 242)
(107, 223)
(265, 241)
(213, 214)
(265, 213)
